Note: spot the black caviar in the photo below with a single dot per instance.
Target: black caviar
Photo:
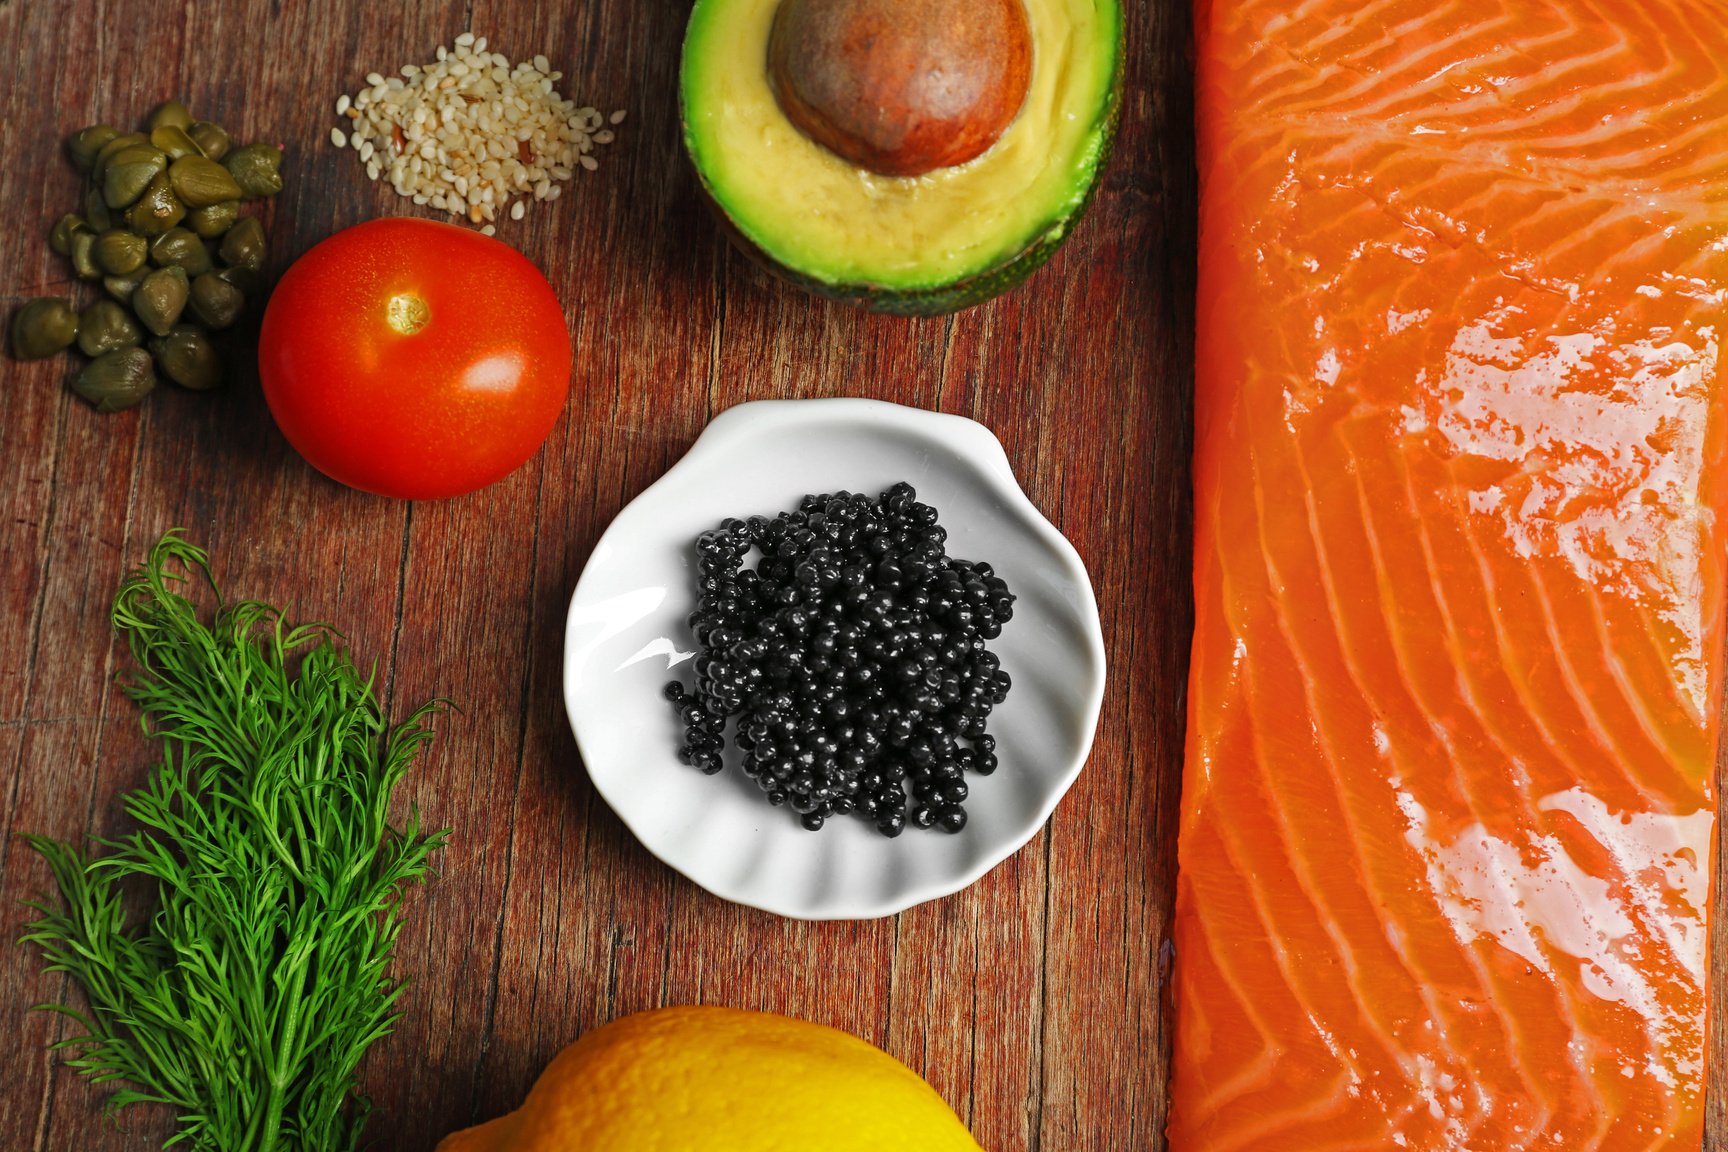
(853, 656)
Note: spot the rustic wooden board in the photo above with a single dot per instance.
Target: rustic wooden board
(1030, 1001)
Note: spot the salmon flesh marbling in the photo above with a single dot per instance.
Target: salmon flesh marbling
(1448, 802)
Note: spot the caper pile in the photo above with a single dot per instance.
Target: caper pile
(161, 229)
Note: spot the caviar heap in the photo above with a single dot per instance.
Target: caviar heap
(853, 656)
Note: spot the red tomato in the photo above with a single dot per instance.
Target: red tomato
(414, 359)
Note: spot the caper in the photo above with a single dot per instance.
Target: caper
(122, 287)
(83, 258)
(172, 246)
(196, 261)
(129, 172)
(96, 212)
(212, 220)
(210, 138)
(243, 247)
(199, 182)
(250, 281)
(61, 238)
(216, 302)
(157, 210)
(256, 168)
(116, 380)
(43, 327)
(187, 357)
(170, 113)
(107, 152)
(179, 247)
(175, 142)
(118, 252)
(105, 326)
(85, 143)
(161, 297)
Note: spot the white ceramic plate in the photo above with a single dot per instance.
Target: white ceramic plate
(627, 637)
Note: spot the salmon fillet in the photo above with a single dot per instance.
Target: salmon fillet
(1448, 806)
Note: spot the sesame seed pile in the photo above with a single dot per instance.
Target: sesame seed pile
(468, 131)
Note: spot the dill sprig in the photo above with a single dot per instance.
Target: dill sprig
(246, 994)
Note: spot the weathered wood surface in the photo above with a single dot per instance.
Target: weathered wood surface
(1031, 1000)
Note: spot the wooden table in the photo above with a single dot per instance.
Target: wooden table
(1031, 1000)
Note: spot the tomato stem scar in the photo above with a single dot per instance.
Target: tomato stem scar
(408, 314)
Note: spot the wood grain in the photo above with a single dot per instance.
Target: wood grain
(1030, 1000)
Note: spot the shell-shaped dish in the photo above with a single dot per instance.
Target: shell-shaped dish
(627, 637)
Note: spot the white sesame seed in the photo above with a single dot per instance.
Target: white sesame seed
(488, 231)
(618, 116)
(468, 132)
(342, 103)
(337, 138)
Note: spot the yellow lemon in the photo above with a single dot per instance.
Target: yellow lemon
(722, 1080)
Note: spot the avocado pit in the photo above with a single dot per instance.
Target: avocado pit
(901, 87)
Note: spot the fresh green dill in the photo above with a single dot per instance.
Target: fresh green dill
(247, 992)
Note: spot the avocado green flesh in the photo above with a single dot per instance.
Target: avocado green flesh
(910, 245)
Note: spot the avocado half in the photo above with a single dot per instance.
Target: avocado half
(914, 245)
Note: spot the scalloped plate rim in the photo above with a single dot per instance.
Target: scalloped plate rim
(975, 445)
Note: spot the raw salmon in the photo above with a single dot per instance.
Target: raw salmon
(1447, 816)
